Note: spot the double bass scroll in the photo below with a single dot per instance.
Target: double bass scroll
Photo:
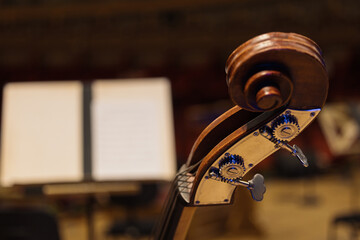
(279, 84)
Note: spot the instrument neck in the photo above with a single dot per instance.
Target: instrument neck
(176, 217)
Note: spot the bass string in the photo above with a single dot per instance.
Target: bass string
(174, 198)
(164, 220)
(172, 201)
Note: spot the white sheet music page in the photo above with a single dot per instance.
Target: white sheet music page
(41, 133)
(132, 130)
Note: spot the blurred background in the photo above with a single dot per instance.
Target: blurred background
(189, 42)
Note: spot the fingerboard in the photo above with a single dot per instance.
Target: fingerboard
(176, 217)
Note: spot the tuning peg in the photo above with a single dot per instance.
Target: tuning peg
(255, 185)
(295, 151)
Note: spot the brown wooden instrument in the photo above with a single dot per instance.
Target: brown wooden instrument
(279, 83)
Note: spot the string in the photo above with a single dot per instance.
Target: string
(172, 200)
(188, 169)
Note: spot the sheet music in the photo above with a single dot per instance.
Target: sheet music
(41, 133)
(132, 130)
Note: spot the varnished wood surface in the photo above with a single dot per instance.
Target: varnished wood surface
(227, 142)
(288, 64)
(294, 55)
(184, 223)
(217, 131)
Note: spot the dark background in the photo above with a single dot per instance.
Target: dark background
(186, 41)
